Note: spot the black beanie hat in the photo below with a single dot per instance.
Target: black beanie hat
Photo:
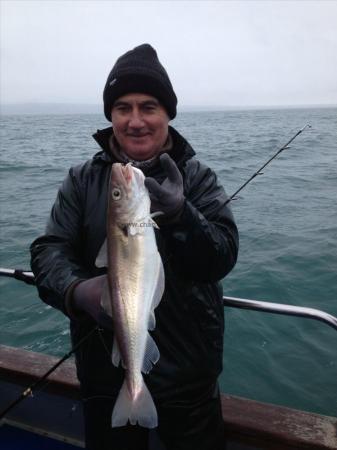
(139, 70)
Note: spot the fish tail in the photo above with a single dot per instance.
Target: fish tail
(140, 409)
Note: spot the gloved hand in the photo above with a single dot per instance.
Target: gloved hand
(86, 296)
(167, 197)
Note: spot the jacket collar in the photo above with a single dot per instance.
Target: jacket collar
(181, 150)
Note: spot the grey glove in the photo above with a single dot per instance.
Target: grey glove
(86, 296)
(167, 197)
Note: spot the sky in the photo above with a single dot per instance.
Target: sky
(217, 53)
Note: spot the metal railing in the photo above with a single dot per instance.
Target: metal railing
(279, 308)
(232, 302)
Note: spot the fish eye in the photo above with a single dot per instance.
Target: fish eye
(116, 194)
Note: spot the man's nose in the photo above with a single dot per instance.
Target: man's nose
(136, 120)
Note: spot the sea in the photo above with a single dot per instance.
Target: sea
(286, 216)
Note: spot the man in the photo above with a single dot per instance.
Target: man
(198, 242)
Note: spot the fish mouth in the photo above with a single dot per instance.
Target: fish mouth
(127, 172)
(128, 181)
(122, 173)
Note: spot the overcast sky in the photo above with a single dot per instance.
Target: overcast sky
(221, 53)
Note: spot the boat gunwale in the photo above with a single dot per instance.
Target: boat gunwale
(246, 421)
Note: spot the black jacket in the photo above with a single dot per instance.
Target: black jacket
(196, 253)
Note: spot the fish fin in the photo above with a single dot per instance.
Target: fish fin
(152, 216)
(151, 355)
(160, 286)
(102, 257)
(140, 409)
(157, 295)
(152, 321)
(116, 356)
(142, 223)
(151, 222)
(154, 224)
(156, 214)
(105, 299)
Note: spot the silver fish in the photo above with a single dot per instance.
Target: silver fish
(134, 289)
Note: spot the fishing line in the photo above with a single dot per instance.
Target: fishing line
(28, 278)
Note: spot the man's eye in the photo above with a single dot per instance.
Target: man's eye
(150, 108)
(122, 108)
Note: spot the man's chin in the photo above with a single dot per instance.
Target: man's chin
(140, 153)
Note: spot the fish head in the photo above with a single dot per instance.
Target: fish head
(128, 196)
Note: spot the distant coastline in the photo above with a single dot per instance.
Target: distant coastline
(77, 108)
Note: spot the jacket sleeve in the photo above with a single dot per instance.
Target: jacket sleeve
(204, 243)
(56, 256)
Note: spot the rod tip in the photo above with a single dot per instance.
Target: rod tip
(305, 126)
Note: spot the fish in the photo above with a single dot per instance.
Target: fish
(134, 288)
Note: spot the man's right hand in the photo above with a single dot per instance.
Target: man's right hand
(86, 297)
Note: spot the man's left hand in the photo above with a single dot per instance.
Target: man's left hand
(167, 197)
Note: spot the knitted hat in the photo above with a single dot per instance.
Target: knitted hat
(139, 70)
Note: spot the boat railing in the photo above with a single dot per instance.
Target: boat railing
(232, 302)
(280, 308)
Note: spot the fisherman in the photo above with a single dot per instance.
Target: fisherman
(198, 243)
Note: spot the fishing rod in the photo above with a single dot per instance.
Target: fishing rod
(39, 384)
(28, 277)
(258, 172)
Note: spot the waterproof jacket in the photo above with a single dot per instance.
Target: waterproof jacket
(197, 252)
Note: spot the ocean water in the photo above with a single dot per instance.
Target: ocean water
(287, 220)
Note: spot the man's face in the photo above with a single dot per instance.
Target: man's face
(140, 125)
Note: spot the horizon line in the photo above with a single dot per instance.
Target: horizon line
(183, 105)
(31, 108)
